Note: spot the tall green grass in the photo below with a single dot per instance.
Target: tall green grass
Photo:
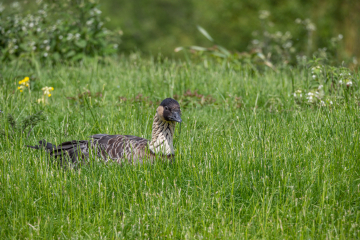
(240, 173)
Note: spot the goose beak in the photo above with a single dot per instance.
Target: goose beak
(176, 116)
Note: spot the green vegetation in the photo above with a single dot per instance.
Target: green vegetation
(256, 157)
(162, 25)
(54, 30)
(270, 140)
(281, 29)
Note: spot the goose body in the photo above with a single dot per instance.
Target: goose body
(122, 148)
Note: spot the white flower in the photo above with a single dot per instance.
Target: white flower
(45, 54)
(15, 5)
(310, 27)
(340, 82)
(297, 93)
(47, 48)
(340, 36)
(77, 35)
(38, 29)
(16, 46)
(116, 46)
(47, 90)
(263, 14)
(310, 94)
(60, 37)
(46, 41)
(97, 11)
(349, 84)
(31, 24)
(322, 103)
(89, 22)
(314, 76)
(34, 48)
(331, 102)
(320, 87)
(69, 36)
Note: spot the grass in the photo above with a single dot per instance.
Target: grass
(260, 169)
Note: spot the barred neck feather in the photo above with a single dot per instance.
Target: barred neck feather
(162, 136)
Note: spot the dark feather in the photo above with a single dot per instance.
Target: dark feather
(114, 147)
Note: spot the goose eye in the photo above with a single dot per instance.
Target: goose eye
(166, 108)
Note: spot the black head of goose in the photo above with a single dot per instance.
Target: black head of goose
(122, 148)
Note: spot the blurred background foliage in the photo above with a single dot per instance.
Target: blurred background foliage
(153, 25)
(58, 31)
(278, 28)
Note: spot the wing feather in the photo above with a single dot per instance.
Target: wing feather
(120, 147)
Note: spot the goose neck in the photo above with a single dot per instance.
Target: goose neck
(162, 136)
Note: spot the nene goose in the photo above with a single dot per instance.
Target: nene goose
(120, 148)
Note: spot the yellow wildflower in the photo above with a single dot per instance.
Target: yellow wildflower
(46, 90)
(24, 84)
(46, 94)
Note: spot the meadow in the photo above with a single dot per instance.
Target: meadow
(252, 161)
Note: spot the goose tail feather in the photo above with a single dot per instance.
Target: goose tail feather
(67, 152)
(44, 145)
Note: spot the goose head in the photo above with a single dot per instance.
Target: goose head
(169, 111)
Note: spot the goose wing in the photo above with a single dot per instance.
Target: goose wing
(119, 147)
